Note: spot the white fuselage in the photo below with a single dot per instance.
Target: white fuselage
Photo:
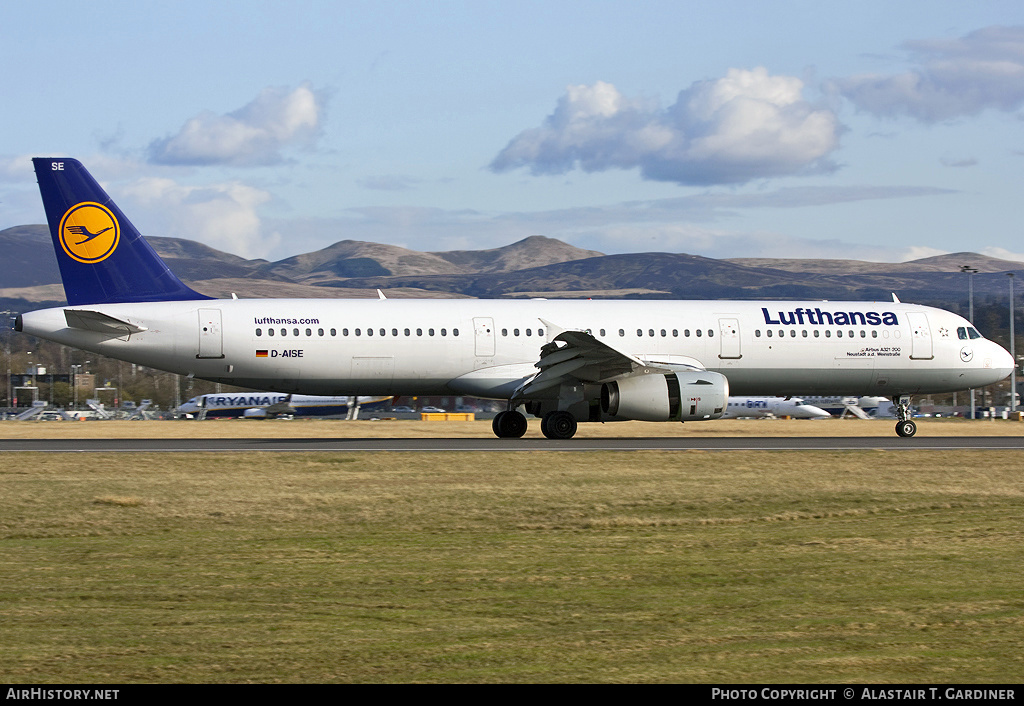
(762, 407)
(240, 404)
(485, 348)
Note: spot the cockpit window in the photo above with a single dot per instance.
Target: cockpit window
(967, 332)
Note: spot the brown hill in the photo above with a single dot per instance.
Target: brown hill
(937, 263)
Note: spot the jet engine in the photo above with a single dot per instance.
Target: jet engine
(660, 397)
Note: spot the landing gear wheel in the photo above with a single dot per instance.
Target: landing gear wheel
(509, 425)
(906, 429)
(558, 425)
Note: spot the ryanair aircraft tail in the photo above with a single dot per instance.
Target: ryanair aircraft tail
(103, 259)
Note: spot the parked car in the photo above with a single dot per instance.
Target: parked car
(431, 409)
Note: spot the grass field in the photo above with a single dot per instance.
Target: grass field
(387, 428)
(717, 567)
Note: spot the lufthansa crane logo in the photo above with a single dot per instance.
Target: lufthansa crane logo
(89, 232)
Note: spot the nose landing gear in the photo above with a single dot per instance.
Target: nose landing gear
(905, 426)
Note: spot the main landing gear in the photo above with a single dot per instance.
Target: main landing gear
(558, 425)
(509, 425)
(555, 425)
(905, 426)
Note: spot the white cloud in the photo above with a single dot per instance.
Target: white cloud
(254, 135)
(222, 216)
(919, 252)
(954, 77)
(1003, 254)
(744, 126)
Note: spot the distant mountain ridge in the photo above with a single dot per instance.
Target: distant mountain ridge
(353, 258)
(534, 266)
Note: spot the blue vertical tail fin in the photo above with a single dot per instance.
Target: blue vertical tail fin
(103, 259)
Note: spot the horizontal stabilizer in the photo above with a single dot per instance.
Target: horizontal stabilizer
(96, 321)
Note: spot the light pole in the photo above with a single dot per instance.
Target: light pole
(1013, 353)
(970, 272)
(74, 385)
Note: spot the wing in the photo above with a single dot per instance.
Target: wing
(282, 407)
(577, 355)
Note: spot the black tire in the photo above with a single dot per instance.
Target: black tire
(558, 425)
(509, 425)
(906, 429)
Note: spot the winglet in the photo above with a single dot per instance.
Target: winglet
(103, 259)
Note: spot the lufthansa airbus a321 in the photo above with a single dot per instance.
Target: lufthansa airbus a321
(563, 361)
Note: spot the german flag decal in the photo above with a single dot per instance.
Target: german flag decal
(261, 354)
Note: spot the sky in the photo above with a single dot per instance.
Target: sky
(875, 131)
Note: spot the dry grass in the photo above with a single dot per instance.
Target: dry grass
(732, 567)
(391, 428)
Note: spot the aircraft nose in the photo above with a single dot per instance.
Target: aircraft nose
(1003, 361)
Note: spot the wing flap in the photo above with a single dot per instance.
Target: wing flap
(575, 355)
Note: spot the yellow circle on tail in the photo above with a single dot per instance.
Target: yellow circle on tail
(89, 232)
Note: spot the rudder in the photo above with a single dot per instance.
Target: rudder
(103, 258)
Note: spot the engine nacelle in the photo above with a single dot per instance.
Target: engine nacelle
(666, 397)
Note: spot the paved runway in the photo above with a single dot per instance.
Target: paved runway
(889, 443)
